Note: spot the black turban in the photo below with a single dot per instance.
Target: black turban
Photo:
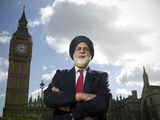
(78, 40)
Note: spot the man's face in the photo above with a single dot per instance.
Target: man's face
(82, 55)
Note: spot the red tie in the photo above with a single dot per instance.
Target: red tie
(79, 86)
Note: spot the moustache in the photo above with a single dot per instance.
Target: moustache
(82, 55)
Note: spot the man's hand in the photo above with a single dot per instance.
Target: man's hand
(54, 89)
(65, 108)
(84, 96)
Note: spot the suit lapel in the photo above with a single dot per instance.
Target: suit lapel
(88, 81)
(71, 79)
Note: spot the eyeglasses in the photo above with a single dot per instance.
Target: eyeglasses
(82, 48)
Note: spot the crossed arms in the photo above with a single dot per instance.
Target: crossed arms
(78, 97)
(83, 104)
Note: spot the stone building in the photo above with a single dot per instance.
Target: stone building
(150, 101)
(125, 108)
(145, 108)
(20, 54)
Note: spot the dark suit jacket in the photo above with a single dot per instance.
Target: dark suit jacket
(96, 82)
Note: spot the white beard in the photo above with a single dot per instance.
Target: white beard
(81, 62)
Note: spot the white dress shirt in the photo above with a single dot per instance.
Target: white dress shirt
(78, 74)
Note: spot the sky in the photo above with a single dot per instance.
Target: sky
(125, 34)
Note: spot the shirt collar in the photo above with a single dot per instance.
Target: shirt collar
(76, 68)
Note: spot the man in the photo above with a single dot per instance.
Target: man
(79, 93)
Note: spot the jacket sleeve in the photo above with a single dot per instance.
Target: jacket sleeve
(101, 102)
(97, 105)
(57, 99)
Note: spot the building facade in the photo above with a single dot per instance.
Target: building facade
(132, 108)
(150, 101)
(20, 54)
(125, 108)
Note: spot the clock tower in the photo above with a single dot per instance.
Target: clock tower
(20, 54)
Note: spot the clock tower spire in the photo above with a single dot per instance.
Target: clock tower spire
(20, 54)
(23, 21)
(22, 29)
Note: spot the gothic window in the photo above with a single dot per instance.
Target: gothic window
(150, 100)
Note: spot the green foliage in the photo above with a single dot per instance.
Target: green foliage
(6, 118)
(21, 117)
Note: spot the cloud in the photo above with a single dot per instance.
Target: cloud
(3, 75)
(61, 45)
(46, 13)
(3, 81)
(3, 66)
(34, 23)
(48, 76)
(130, 76)
(4, 61)
(133, 76)
(112, 42)
(36, 93)
(124, 92)
(139, 12)
(4, 37)
(2, 99)
(44, 67)
(122, 35)
(2, 95)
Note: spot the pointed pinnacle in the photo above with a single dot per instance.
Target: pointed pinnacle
(23, 19)
(23, 14)
(24, 8)
(144, 69)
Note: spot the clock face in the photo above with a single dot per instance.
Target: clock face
(21, 48)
